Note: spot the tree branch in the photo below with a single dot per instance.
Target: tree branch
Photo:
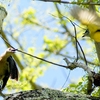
(48, 94)
(66, 2)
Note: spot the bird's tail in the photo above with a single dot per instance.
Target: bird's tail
(13, 68)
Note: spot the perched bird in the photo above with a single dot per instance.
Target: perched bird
(8, 67)
(89, 18)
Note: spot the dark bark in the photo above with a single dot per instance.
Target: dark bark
(48, 94)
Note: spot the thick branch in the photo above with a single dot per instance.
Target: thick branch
(48, 94)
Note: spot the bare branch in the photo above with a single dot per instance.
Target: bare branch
(73, 65)
(66, 2)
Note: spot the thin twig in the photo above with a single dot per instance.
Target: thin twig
(69, 19)
(73, 23)
(7, 42)
(82, 52)
(77, 41)
(66, 2)
(41, 58)
(66, 79)
(33, 55)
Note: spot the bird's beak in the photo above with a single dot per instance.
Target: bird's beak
(86, 33)
(12, 49)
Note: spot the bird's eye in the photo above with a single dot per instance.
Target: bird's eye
(11, 49)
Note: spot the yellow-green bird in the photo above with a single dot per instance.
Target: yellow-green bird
(89, 18)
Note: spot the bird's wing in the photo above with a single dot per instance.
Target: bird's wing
(5, 79)
(13, 68)
(85, 16)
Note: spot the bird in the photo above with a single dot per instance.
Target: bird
(89, 18)
(8, 67)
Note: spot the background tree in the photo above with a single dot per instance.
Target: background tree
(48, 35)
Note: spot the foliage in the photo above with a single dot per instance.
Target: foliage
(48, 37)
